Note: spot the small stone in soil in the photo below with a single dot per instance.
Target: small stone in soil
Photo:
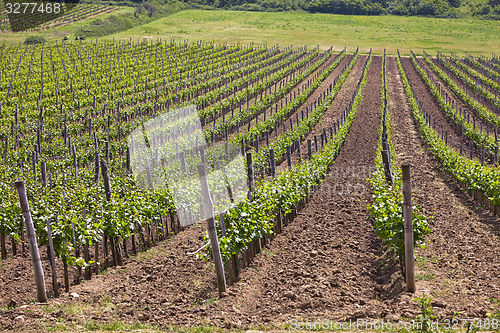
(19, 319)
(439, 304)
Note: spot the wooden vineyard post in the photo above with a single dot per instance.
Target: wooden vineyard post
(105, 251)
(66, 278)
(96, 257)
(2, 245)
(387, 166)
(87, 273)
(289, 157)
(52, 260)
(272, 162)
(280, 221)
(229, 263)
(30, 233)
(407, 215)
(115, 246)
(251, 182)
(77, 254)
(212, 232)
(114, 255)
(134, 249)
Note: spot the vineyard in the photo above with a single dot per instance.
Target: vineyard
(74, 14)
(303, 148)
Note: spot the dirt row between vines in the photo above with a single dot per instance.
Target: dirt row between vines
(16, 272)
(432, 107)
(459, 267)
(339, 105)
(165, 286)
(327, 264)
(314, 96)
(329, 115)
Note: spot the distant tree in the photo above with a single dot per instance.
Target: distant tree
(33, 40)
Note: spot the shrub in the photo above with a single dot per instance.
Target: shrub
(33, 40)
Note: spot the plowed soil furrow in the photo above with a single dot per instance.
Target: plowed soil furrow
(288, 97)
(461, 262)
(308, 103)
(453, 96)
(326, 262)
(340, 103)
(160, 283)
(244, 124)
(431, 106)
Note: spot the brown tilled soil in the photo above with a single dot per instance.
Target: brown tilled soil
(327, 264)
(459, 267)
(460, 83)
(244, 126)
(314, 96)
(459, 103)
(340, 103)
(432, 107)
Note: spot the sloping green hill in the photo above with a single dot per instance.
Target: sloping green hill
(377, 32)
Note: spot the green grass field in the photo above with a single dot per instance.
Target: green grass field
(377, 32)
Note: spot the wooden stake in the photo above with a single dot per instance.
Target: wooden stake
(30, 232)
(134, 249)
(289, 156)
(14, 246)
(407, 215)
(87, 273)
(96, 257)
(77, 254)
(212, 232)
(105, 251)
(229, 264)
(387, 165)
(52, 260)
(235, 265)
(66, 277)
(113, 250)
(250, 174)
(2, 246)
(272, 162)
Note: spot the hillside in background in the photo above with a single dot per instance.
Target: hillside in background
(147, 11)
(489, 9)
(135, 13)
(144, 12)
